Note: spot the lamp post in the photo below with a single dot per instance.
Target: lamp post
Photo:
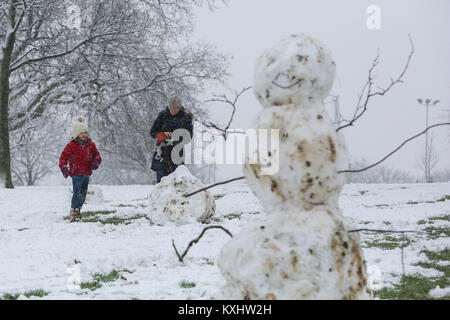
(337, 112)
(427, 103)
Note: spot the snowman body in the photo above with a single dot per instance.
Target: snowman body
(302, 248)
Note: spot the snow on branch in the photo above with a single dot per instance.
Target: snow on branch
(61, 54)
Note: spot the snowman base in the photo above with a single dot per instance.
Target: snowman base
(169, 204)
(295, 258)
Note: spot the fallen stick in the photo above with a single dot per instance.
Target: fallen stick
(194, 241)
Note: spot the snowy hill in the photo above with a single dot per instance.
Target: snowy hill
(120, 254)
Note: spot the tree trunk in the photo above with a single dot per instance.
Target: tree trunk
(5, 170)
(5, 162)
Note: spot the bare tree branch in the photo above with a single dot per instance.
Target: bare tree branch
(232, 102)
(368, 88)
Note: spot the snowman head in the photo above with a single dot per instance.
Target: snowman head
(297, 70)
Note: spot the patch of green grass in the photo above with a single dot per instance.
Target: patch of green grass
(362, 192)
(232, 216)
(207, 261)
(126, 206)
(443, 255)
(388, 243)
(127, 270)
(436, 232)
(413, 287)
(87, 214)
(366, 222)
(388, 223)
(443, 218)
(187, 284)
(110, 277)
(417, 286)
(36, 293)
(91, 285)
(92, 214)
(383, 205)
(116, 220)
(10, 296)
(218, 196)
(444, 198)
(30, 293)
(382, 245)
(432, 220)
(23, 229)
(99, 278)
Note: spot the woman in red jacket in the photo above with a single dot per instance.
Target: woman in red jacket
(79, 158)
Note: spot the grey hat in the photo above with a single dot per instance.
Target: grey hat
(174, 101)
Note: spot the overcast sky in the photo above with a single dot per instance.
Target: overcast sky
(245, 28)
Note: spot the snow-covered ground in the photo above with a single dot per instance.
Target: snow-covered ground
(120, 254)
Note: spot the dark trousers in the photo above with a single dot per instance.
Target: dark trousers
(160, 174)
(80, 187)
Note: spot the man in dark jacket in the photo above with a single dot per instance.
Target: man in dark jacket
(170, 119)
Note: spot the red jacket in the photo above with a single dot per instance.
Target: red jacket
(79, 157)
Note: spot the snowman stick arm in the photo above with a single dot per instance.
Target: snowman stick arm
(396, 149)
(213, 185)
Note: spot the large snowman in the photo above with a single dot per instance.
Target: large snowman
(302, 248)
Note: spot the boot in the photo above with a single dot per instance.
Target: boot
(75, 215)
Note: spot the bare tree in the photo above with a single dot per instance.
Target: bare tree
(429, 161)
(379, 174)
(442, 175)
(124, 52)
(36, 43)
(34, 149)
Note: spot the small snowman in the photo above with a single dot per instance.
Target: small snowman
(301, 249)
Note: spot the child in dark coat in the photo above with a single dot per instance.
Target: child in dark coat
(79, 158)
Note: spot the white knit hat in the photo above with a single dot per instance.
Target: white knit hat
(79, 127)
(174, 101)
